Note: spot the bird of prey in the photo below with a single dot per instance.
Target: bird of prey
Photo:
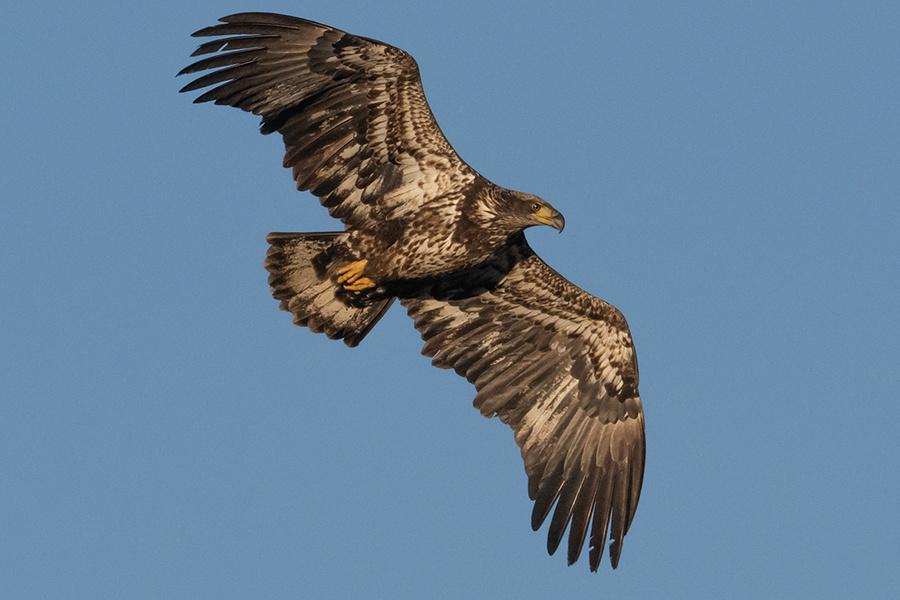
(421, 226)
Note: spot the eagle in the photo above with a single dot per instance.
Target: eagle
(421, 226)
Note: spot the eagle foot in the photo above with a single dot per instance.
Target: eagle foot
(350, 277)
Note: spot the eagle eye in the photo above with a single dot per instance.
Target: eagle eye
(535, 207)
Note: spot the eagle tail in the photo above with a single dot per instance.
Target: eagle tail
(303, 269)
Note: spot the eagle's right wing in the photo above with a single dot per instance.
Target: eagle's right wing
(558, 366)
(357, 129)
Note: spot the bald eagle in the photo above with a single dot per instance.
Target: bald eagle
(420, 225)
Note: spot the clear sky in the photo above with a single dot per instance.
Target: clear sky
(730, 177)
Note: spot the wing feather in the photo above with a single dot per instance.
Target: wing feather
(357, 128)
(558, 366)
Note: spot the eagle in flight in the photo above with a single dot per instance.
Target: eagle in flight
(421, 226)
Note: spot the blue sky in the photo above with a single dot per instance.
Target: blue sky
(729, 176)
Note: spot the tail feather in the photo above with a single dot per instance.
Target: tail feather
(302, 269)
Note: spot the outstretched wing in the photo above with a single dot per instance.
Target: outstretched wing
(357, 129)
(558, 366)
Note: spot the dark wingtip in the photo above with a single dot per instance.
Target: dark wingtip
(615, 551)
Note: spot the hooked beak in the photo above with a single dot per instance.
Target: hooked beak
(551, 217)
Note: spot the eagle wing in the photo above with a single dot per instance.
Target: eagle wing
(357, 129)
(558, 366)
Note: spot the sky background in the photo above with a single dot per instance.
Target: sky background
(730, 177)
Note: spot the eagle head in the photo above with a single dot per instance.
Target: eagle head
(516, 211)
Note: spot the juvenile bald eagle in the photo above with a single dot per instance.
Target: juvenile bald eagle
(553, 362)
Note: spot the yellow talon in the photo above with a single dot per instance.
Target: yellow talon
(351, 277)
(351, 272)
(363, 283)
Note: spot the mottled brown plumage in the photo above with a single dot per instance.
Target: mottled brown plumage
(553, 362)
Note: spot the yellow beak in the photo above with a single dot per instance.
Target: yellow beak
(548, 216)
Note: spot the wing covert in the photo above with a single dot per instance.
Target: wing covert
(558, 366)
(357, 128)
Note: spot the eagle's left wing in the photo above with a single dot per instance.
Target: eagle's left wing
(558, 366)
(358, 131)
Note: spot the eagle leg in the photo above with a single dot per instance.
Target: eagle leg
(351, 277)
